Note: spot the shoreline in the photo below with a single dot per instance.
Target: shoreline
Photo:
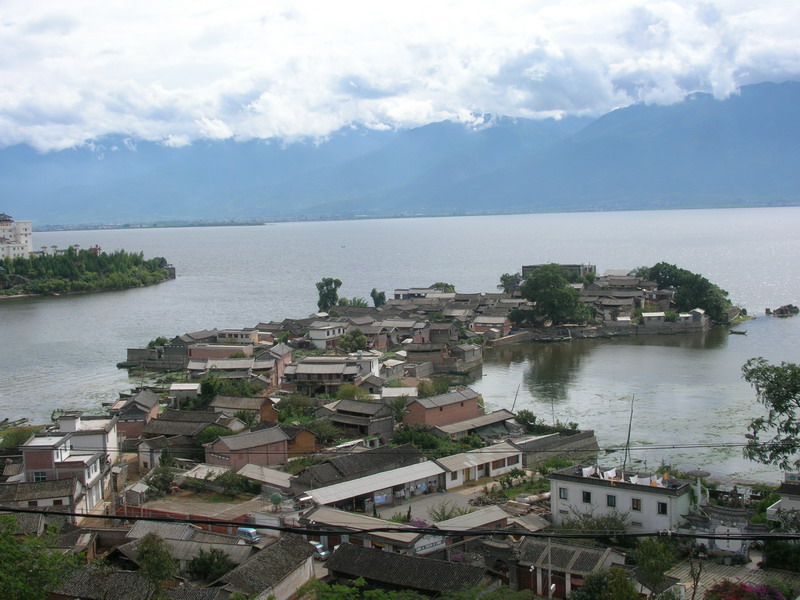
(76, 293)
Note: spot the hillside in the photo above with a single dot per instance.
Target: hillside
(701, 152)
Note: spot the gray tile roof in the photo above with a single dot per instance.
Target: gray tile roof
(239, 402)
(95, 584)
(269, 566)
(449, 398)
(254, 439)
(27, 490)
(403, 571)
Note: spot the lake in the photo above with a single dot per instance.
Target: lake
(61, 351)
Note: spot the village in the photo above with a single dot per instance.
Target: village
(348, 446)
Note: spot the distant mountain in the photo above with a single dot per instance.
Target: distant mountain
(702, 152)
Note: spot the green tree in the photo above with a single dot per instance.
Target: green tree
(526, 418)
(161, 478)
(778, 389)
(16, 436)
(509, 282)
(548, 288)
(166, 459)
(378, 298)
(653, 558)
(328, 290)
(30, 566)
(248, 417)
(606, 584)
(447, 288)
(210, 434)
(155, 559)
(349, 391)
(159, 341)
(398, 406)
(210, 565)
(325, 431)
(354, 301)
(353, 341)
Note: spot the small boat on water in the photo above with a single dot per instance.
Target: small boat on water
(737, 331)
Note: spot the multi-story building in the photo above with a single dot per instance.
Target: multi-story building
(650, 502)
(16, 239)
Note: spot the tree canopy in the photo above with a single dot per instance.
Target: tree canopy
(378, 298)
(447, 288)
(30, 566)
(328, 290)
(155, 559)
(509, 282)
(606, 584)
(778, 389)
(548, 288)
(692, 290)
(353, 341)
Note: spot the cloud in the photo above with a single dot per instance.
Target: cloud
(179, 72)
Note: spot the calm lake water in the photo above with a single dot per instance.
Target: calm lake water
(61, 352)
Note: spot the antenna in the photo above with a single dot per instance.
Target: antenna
(515, 398)
(628, 442)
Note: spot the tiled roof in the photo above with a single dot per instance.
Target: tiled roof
(497, 416)
(269, 566)
(401, 570)
(91, 583)
(239, 402)
(27, 490)
(254, 439)
(190, 416)
(161, 427)
(449, 398)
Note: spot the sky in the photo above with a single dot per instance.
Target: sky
(175, 72)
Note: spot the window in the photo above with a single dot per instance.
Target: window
(453, 475)
(512, 460)
(39, 476)
(587, 497)
(562, 493)
(636, 504)
(498, 464)
(32, 503)
(611, 500)
(662, 508)
(58, 502)
(636, 524)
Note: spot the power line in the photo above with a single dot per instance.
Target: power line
(421, 530)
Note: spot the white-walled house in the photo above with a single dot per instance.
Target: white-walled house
(491, 461)
(651, 502)
(97, 433)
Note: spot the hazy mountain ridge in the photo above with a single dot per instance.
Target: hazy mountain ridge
(699, 153)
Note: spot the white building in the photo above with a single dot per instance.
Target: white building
(651, 502)
(491, 461)
(16, 238)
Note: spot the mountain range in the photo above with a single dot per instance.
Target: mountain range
(699, 153)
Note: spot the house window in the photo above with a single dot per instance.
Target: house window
(498, 464)
(441, 409)
(636, 504)
(611, 501)
(662, 508)
(587, 497)
(636, 524)
(453, 475)
(562, 493)
(39, 476)
(512, 460)
(33, 503)
(58, 502)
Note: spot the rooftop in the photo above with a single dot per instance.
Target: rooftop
(497, 416)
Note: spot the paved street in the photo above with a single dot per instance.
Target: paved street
(420, 504)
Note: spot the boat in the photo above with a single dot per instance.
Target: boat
(737, 331)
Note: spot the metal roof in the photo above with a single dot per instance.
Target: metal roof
(325, 515)
(265, 475)
(372, 483)
(473, 520)
(493, 417)
(477, 457)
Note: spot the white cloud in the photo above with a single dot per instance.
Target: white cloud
(181, 71)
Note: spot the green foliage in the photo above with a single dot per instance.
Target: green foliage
(210, 434)
(166, 459)
(509, 282)
(325, 431)
(778, 389)
(447, 288)
(155, 560)
(300, 463)
(162, 478)
(359, 302)
(398, 406)
(80, 271)
(17, 436)
(520, 317)
(555, 463)
(654, 557)
(349, 391)
(526, 418)
(670, 316)
(692, 290)
(605, 525)
(432, 446)
(353, 340)
(248, 417)
(159, 341)
(428, 387)
(30, 566)
(328, 290)
(378, 298)
(210, 565)
(233, 484)
(548, 287)
(358, 590)
(606, 584)
(446, 510)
